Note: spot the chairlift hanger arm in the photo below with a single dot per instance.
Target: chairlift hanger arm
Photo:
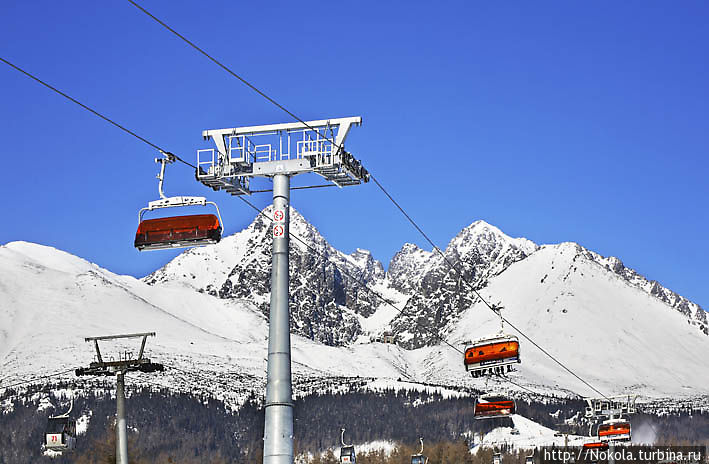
(179, 231)
(161, 175)
(66, 414)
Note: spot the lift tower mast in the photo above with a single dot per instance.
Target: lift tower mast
(126, 363)
(279, 152)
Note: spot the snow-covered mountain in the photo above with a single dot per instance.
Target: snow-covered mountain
(328, 300)
(330, 304)
(438, 294)
(209, 307)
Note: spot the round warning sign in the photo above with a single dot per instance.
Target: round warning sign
(278, 231)
(279, 215)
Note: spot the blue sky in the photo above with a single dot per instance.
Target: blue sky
(556, 121)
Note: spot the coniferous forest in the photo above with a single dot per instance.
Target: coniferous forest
(169, 427)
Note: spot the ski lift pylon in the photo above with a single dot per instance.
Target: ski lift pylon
(60, 434)
(176, 231)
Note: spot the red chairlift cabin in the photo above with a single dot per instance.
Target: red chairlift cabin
(592, 452)
(614, 431)
(596, 445)
(492, 353)
(491, 407)
(178, 231)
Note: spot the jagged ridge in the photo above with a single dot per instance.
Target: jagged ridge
(329, 303)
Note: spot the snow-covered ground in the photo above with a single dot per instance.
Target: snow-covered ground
(616, 336)
(527, 434)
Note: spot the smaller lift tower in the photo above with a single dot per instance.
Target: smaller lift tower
(126, 363)
(279, 152)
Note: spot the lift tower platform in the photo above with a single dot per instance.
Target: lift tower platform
(279, 152)
(125, 363)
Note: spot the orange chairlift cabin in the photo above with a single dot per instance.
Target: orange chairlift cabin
(176, 231)
(616, 430)
(599, 445)
(494, 354)
(489, 407)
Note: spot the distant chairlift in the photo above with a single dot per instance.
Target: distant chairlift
(419, 458)
(60, 434)
(595, 445)
(614, 430)
(592, 451)
(176, 231)
(347, 452)
(494, 354)
(489, 407)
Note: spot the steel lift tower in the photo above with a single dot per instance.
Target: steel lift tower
(126, 363)
(279, 152)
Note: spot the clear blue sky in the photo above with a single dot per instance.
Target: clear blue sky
(556, 121)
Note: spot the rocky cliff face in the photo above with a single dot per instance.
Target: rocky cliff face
(438, 293)
(326, 291)
(328, 297)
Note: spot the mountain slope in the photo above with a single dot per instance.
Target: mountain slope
(208, 307)
(51, 300)
(612, 333)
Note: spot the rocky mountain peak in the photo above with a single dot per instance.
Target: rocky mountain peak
(485, 237)
(407, 267)
(325, 291)
(328, 302)
(439, 292)
(371, 268)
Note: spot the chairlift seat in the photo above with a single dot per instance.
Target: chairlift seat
(488, 408)
(60, 434)
(492, 352)
(347, 454)
(615, 431)
(178, 231)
